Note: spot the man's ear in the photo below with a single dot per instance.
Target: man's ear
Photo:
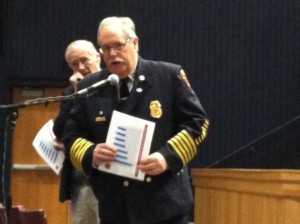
(136, 44)
(98, 58)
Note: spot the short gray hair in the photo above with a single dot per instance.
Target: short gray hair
(82, 45)
(125, 23)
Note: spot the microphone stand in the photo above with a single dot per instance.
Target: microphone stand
(10, 124)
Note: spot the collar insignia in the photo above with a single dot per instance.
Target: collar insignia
(100, 119)
(142, 78)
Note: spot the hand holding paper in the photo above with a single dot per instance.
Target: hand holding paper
(132, 138)
(153, 164)
(104, 153)
(43, 144)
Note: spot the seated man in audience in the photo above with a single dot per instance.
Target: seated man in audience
(83, 59)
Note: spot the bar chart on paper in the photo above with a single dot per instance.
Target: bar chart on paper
(132, 137)
(120, 142)
(43, 144)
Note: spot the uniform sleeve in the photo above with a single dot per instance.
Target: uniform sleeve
(192, 125)
(61, 119)
(75, 138)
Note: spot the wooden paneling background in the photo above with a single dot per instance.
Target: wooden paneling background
(35, 188)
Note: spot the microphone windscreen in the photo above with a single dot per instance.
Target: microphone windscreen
(113, 79)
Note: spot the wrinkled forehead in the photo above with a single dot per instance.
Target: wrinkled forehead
(77, 53)
(111, 33)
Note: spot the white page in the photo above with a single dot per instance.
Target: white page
(43, 144)
(132, 136)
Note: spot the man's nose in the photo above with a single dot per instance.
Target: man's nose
(81, 65)
(112, 51)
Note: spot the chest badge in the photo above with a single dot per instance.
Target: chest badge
(155, 109)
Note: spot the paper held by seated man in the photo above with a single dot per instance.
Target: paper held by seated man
(132, 136)
(43, 144)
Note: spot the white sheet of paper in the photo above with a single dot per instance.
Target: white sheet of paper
(43, 144)
(132, 136)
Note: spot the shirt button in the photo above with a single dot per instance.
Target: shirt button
(148, 179)
(126, 183)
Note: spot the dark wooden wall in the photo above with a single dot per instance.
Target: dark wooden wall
(242, 58)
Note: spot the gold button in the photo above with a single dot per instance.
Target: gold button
(126, 183)
(148, 179)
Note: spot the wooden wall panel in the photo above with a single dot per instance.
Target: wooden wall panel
(245, 196)
(35, 188)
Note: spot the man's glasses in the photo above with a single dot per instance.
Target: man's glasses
(118, 46)
(83, 60)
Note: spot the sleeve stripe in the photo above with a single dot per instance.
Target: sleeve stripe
(204, 131)
(173, 144)
(77, 151)
(206, 124)
(192, 144)
(185, 145)
(182, 147)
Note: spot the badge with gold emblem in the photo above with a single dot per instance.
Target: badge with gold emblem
(155, 109)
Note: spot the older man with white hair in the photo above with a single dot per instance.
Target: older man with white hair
(83, 58)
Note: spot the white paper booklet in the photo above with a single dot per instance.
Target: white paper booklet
(132, 136)
(43, 144)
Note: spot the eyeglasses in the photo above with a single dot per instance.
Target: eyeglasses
(118, 46)
(83, 60)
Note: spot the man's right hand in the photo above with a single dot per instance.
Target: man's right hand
(74, 79)
(58, 145)
(104, 154)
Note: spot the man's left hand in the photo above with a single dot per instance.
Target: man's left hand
(153, 164)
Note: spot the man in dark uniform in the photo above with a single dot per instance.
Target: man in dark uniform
(158, 92)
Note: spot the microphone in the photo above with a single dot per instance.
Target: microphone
(112, 80)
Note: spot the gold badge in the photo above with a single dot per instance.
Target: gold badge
(155, 109)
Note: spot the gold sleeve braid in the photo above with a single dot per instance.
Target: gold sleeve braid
(185, 146)
(204, 132)
(77, 151)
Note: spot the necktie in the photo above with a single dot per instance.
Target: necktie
(124, 91)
